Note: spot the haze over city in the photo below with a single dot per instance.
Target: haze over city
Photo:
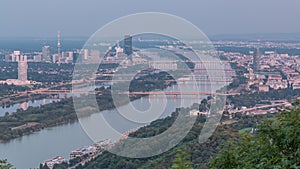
(175, 84)
(35, 18)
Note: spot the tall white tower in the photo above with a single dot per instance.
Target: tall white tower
(58, 46)
(22, 68)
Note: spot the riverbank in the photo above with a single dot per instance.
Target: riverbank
(58, 113)
(7, 102)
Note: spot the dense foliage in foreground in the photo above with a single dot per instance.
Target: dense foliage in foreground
(5, 165)
(275, 145)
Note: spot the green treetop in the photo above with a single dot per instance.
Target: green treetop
(276, 145)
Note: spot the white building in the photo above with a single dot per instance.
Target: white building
(22, 68)
(195, 112)
(85, 54)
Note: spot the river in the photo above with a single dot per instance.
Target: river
(31, 150)
(24, 105)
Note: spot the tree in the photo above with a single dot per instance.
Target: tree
(276, 145)
(5, 165)
(182, 160)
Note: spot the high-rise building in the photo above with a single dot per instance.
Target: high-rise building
(71, 55)
(22, 68)
(64, 55)
(37, 58)
(128, 46)
(46, 55)
(85, 54)
(58, 47)
(55, 58)
(15, 56)
(118, 50)
(256, 58)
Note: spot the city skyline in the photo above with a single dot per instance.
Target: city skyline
(271, 88)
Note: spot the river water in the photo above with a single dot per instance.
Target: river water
(32, 103)
(29, 151)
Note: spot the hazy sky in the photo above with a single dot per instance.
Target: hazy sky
(42, 18)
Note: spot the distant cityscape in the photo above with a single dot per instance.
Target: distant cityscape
(149, 84)
(252, 68)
